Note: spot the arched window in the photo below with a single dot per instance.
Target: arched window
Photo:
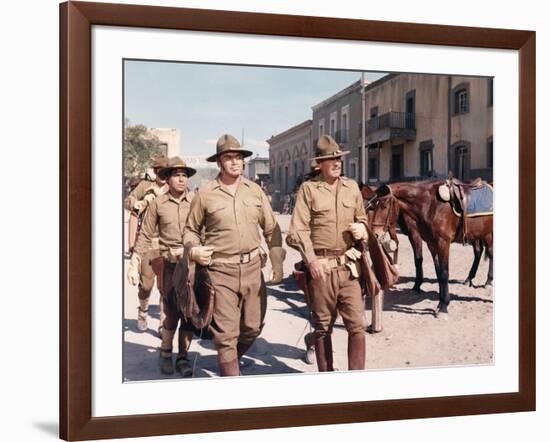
(460, 152)
(461, 99)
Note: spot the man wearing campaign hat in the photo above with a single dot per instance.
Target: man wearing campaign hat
(231, 210)
(328, 217)
(137, 203)
(167, 214)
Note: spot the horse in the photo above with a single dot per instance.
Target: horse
(407, 225)
(424, 212)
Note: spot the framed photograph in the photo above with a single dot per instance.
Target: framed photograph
(405, 102)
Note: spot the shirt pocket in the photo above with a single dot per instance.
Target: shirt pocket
(348, 206)
(253, 210)
(320, 210)
(215, 213)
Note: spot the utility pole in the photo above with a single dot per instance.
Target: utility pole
(363, 140)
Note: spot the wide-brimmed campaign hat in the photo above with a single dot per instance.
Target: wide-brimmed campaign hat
(175, 163)
(328, 148)
(228, 143)
(159, 162)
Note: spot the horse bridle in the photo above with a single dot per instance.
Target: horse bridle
(374, 202)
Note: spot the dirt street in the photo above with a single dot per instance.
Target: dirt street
(411, 336)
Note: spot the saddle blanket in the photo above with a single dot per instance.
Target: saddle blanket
(480, 201)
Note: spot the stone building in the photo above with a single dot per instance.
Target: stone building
(420, 125)
(257, 169)
(417, 126)
(340, 116)
(289, 155)
(169, 140)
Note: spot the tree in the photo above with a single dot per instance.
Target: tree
(140, 147)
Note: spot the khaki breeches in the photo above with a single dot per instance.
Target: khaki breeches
(240, 305)
(339, 292)
(146, 274)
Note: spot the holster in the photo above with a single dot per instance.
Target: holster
(157, 264)
(301, 274)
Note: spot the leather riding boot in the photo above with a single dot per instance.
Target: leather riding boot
(165, 361)
(356, 351)
(323, 353)
(183, 366)
(229, 368)
(165, 364)
(242, 348)
(184, 340)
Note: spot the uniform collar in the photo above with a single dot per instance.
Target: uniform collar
(186, 196)
(322, 183)
(219, 185)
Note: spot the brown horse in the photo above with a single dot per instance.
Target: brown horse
(388, 221)
(418, 208)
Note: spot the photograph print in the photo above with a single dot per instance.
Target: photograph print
(283, 220)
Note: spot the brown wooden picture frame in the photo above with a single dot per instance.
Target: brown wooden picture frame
(76, 21)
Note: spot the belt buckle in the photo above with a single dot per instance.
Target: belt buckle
(242, 260)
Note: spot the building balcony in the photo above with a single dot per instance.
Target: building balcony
(391, 126)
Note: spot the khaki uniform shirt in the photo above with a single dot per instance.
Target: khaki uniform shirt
(168, 215)
(230, 222)
(141, 190)
(321, 217)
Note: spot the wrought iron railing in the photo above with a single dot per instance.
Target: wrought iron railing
(392, 120)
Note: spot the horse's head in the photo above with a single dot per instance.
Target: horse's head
(367, 192)
(383, 211)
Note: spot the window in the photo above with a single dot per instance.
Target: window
(321, 130)
(461, 162)
(344, 129)
(396, 166)
(462, 159)
(373, 168)
(374, 111)
(352, 170)
(426, 158)
(333, 128)
(461, 99)
(374, 163)
(489, 92)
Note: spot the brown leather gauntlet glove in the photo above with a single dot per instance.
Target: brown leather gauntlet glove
(277, 257)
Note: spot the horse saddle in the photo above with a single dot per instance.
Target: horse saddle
(195, 292)
(474, 198)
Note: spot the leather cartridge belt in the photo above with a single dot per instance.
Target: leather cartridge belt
(328, 252)
(332, 262)
(236, 258)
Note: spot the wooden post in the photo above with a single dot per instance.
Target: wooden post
(377, 310)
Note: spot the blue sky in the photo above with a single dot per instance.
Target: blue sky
(205, 101)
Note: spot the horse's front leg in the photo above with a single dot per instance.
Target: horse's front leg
(478, 250)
